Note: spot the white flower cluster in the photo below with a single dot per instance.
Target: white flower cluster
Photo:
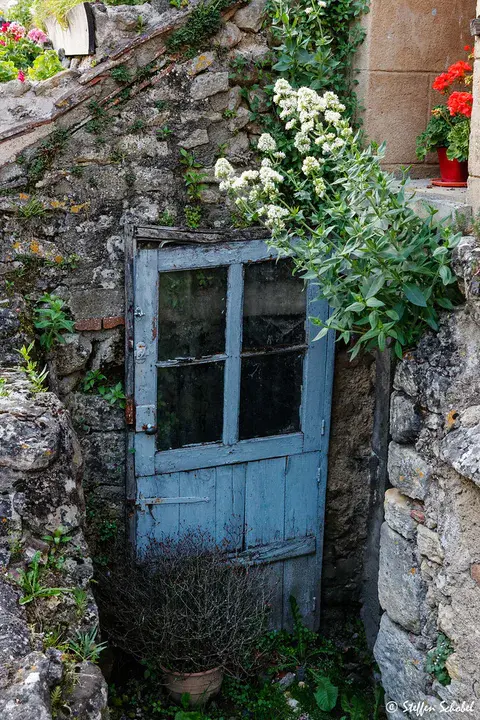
(266, 143)
(274, 216)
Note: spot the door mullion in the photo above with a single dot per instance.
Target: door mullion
(233, 342)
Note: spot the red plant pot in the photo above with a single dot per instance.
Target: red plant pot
(453, 172)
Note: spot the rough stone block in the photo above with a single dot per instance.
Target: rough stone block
(196, 138)
(228, 36)
(405, 421)
(250, 18)
(408, 471)
(402, 665)
(429, 544)
(201, 63)
(104, 454)
(73, 354)
(95, 304)
(208, 84)
(92, 412)
(401, 590)
(397, 513)
(460, 449)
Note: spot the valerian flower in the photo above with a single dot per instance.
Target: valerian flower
(266, 143)
(223, 169)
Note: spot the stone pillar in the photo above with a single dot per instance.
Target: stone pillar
(474, 159)
(408, 43)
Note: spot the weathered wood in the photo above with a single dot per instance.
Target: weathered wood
(182, 235)
(233, 339)
(78, 38)
(130, 481)
(277, 551)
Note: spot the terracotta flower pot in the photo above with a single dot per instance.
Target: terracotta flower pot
(452, 172)
(200, 686)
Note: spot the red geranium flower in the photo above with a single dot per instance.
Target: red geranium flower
(21, 76)
(442, 82)
(460, 103)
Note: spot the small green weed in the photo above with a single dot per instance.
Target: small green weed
(95, 380)
(121, 74)
(85, 646)
(437, 657)
(50, 318)
(163, 133)
(31, 584)
(3, 388)
(32, 208)
(166, 219)
(30, 367)
(193, 216)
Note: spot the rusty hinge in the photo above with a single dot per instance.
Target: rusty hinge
(130, 411)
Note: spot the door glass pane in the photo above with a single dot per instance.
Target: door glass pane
(190, 405)
(274, 306)
(192, 313)
(271, 389)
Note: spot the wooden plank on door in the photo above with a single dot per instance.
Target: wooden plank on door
(230, 505)
(196, 516)
(264, 521)
(301, 575)
(157, 520)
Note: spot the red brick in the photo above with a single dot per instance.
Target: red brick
(418, 515)
(111, 322)
(475, 572)
(89, 324)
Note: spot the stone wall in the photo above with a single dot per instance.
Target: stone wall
(407, 44)
(41, 493)
(429, 581)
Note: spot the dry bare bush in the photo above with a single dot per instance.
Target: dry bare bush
(189, 606)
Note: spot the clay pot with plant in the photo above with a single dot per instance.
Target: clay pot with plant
(190, 610)
(448, 131)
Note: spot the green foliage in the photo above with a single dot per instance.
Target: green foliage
(85, 646)
(384, 271)
(30, 582)
(81, 601)
(194, 184)
(140, 25)
(21, 53)
(36, 377)
(121, 74)
(50, 318)
(137, 126)
(188, 159)
(459, 141)
(3, 388)
(8, 71)
(316, 45)
(326, 694)
(166, 218)
(95, 380)
(20, 12)
(32, 208)
(99, 120)
(436, 134)
(436, 660)
(203, 22)
(43, 157)
(193, 216)
(58, 538)
(45, 65)
(164, 132)
(179, 3)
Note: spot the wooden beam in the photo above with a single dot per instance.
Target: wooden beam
(277, 551)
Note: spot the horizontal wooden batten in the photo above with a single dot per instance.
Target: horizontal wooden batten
(151, 501)
(192, 258)
(196, 457)
(277, 551)
(181, 362)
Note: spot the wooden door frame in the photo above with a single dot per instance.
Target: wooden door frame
(161, 237)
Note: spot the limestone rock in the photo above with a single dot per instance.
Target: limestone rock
(89, 697)
(402, 664)
(200, 63)
(72, 355)
(208, 84)
(228, 36)
(28, 696)
(429, 544)
(401, 590)
(250, 18)
(408, 471)
(14, 634)
(196, 138)
(397, 513)
(405, 421)
(460, 449)
(241, 119)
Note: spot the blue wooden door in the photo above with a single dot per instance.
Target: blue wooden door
(232, 409)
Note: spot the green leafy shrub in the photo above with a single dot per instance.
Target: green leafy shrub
(203, 22)
(8, 71)
(45, 65)
(459, 141)
(436, 660)
(50, 318)
(316, 44)
(384, 271)
(30, 367)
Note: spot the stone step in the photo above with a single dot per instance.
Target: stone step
(449, 202)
